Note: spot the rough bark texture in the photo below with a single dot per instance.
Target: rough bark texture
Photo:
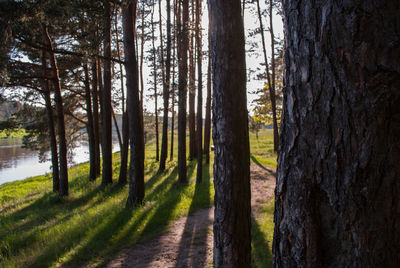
(62, 154)
(199, 144)
(337, 198)
(96, 123)
(183, 69)
(136, 166)
(106, 145)
(230, 133)
(207, 123)
(50, 125)
(90, 126)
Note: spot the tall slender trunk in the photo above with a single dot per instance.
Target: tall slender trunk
(182, 55)
(337, 198)
(114, 118)
(271, 83)
(155, 85)
(136, 166)
(90, 126)
(199, 93)
(96, 122)
(164, 145)
(207, 124)
(63, 191)
(50, 125)
(232, 241)
(192, 89)
(141, 58)
(173, 86)
(106, 104)
(125, 128)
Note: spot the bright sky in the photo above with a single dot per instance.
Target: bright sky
(253, 59)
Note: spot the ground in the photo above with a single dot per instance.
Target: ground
(189, 240)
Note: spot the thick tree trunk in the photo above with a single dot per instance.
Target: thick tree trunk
(136, 166)
(199, 93)
(63, 191)
(232, 246)
(106, 146)
(337, 197)
(50, 125)
(96, 123)
(183, 69)
(192, 90)
(207, 123)
(164, 143)
(90, 126)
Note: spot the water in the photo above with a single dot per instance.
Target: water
(17, 163)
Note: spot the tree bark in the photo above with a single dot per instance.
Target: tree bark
(337, 196)
(164, 144)
(183, 69)
(63, 191)
(106, 148)
(136, 167)
(199, 141)
(90, 126)
(232, 247)
(173, 86)
(96, 122)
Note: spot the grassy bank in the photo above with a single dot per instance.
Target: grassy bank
(37, 229)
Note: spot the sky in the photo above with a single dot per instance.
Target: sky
(253, 59)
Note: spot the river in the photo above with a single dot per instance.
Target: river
(17, 163)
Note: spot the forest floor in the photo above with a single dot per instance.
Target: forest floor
(189, 240)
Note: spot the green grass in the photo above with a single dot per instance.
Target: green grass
(38, 229)
(15, 133)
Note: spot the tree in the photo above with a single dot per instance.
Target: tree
(232, 246)
(199, 93)
(207, 122)
(106, 109)
(136, 165)
(337, 196)
(192, 87)
(183, 44)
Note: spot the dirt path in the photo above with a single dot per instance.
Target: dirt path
(189, 240)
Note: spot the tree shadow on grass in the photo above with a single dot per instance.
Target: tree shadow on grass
(260, 247)
(252, 157)
(193, 243)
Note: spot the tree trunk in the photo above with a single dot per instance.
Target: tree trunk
(164, 144)
(50, 124)
(182, 56)
(192, 90)
(232, 246)
(271, 86)
(96, 123)
(63, 191)
(90, 126)
(136, 167)
(199, 141)
(173, 87)
(272, 92)
(207, 123)
(337, 195)
(106, 104)
(141, 58)
(125, 123)
(155, 84)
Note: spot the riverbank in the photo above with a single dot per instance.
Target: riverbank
(38, 229)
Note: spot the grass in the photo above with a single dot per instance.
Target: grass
(37, 229)
(15, 133)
